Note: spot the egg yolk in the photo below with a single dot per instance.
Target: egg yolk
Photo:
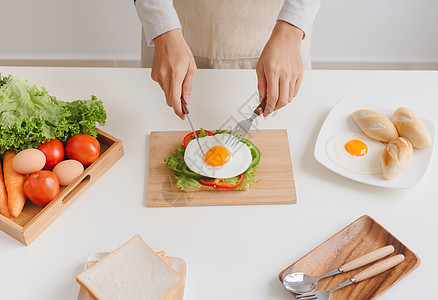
(217, 156)
(356, 148)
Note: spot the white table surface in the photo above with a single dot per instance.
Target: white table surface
(232, 252)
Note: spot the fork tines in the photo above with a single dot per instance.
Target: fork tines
(235, 137)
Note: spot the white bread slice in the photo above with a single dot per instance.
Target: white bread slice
(88, 265)
(133, 271)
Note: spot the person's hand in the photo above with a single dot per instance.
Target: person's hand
(280, 69)
(174, 68)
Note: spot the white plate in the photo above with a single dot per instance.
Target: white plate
(339, 120)
(178, 264)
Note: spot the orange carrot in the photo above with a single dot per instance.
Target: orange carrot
(14, 185)
(4, 209)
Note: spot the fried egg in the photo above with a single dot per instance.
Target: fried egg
(217, 156)
(220, 161)
(355, 152)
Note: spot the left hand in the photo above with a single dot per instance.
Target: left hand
(280, 69)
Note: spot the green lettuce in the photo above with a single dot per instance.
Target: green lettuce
(219, 131)
(175, 163)
(185, 183)
(29, 116)
(249, 177)
(4, 80)
(202, 133)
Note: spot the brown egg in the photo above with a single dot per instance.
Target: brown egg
(67, 171)
(29, 161)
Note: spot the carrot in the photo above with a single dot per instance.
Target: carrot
(14, 185)
(4, 209)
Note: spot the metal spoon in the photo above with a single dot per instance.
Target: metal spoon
(369, 272)
(303, 283)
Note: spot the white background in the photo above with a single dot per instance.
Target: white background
(344, 31)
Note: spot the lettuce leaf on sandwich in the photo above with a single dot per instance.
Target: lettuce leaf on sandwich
(175, 163)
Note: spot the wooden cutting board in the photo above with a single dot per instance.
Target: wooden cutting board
(275, 181)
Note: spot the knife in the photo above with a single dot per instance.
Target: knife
(186, 112)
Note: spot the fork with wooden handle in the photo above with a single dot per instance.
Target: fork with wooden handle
(242, 128)
(301, 283)
(374, 270)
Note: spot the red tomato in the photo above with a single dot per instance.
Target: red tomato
(54, 152)
(41, 187)
(84, 148)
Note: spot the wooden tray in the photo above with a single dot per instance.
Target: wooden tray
(358, 238)
(275, 181)
(35, 219)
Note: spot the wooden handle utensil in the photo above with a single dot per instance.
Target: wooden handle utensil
(368, 258)
(184, 106)
(261, 108)
(379, 267)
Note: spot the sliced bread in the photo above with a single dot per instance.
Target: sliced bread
(133, 271)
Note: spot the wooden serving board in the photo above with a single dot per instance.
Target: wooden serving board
(360, 237)
(275, 181)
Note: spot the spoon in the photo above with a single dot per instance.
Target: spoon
(369, 272)
(302, 283)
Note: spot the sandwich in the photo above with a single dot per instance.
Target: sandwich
(222, 168)
(133, 271)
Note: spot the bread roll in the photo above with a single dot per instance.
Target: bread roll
(375, 125)
(396, 157)
(410, 126)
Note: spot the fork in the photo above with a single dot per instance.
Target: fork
(374, 270)
(242, 128)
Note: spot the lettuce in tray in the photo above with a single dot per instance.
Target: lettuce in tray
(29, 116)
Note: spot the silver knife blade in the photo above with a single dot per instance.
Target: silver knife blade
(186, 112)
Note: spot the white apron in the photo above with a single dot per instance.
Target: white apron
(227, 34)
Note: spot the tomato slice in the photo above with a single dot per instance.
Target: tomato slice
(191, 136)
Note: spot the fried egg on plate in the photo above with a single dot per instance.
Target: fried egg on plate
(220, 161)
(355, 152)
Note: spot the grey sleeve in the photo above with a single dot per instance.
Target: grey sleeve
(300, 13)
(157, 17)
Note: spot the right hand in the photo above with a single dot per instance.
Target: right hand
(279, 69)
(174, 68)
